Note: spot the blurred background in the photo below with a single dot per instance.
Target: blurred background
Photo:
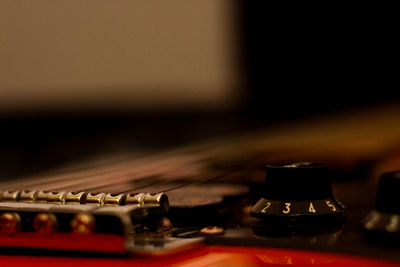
(83, 77)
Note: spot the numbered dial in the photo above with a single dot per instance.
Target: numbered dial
(297, 194)
(385, 219)
(297, 208)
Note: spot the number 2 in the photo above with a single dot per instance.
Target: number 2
(264, 210)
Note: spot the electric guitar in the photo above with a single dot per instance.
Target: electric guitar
(253, 198)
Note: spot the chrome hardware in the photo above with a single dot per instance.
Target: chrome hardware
(56, 197)
(96, 198)
(135, 199)
(41, 196)
(114, 199)
(75, 198)
(28, 196)
(10, 195)
(159, 199)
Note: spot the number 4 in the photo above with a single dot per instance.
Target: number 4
(311, 208)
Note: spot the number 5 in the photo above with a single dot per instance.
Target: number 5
(333, 208)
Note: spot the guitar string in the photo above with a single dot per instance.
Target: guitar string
(107, 181)
(144, 182)
(151, 182)
(117, 169)
(203, 152)
(170, 184)
(43, 180)
(96, 178)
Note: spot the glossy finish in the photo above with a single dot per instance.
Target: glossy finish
(208, 256)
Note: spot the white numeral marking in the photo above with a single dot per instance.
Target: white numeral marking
(264, 210)
(330, 205)
(311, 208)
(287, 208)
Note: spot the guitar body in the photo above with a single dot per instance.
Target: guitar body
(194, 205)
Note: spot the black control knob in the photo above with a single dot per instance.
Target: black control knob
(297, 182)
(297, 195)
(384, 220)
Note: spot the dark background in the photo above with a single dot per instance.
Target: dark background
(304, 59)
(297, 62)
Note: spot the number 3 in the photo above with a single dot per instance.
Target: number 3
(287, 208)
